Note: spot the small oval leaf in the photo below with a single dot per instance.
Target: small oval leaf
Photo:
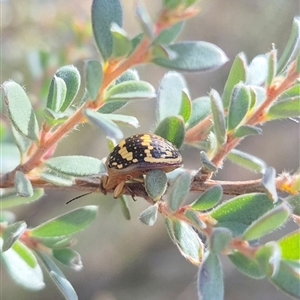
(23, 185)
(149, 215)
(156, 184)
(12, 233)
(94, 76)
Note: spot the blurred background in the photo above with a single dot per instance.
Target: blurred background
(126, 260)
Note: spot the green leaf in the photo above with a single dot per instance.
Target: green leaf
(239, 105)
(145, 21)
(206, 164)
(168, 35)
(272, 67)
(54, 118)
(123, 119)
(210, 279)
(66, 224)
(267, 223)
(57, 179)
(194, 57)
(104, 13)
(77, 165)
(93, 77)
(156, 184)
(187, 241)
(130, 90)
(258, 96)
(238, 73)
(268, 258)
(247, 161)
(246, 130)
(246, 265)
(186, 106)
(169, 98)
(287, 279)
(193, 217)
(180, 190)
(68, 257)
(172, 129)
(288, 108)
(57, 242)
(294, 202)
(121, 42)
(58, 277)
(219, 240)
(238, 213)
(258, 70)
(71, 77)
(22, 266)
(104, 123)
(208, 199)
(290, 93)
(292, 47)
(125, 208)
(201, 108)
(23, 185)
(269, 183)
(23, 143)
(20, 111)
(11, 199)
(149, 215)
(218, 117)
(12, 233)
(290, 246)
(57, 93)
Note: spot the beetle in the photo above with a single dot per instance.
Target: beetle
(134, 157)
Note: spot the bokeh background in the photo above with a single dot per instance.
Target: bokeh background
(126, 260)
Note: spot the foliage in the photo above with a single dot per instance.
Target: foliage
(267, 89)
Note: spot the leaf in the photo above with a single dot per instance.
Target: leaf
(125, 208)
(58, 277)
(210, 279)
(54, 118)
(269, 183)
(219, 240)
(239, 106)
(104, 123)
(194, 57)
(208, 199)
(57, 179)
(246, 130)
(94, 77)
(238, 213)
(68, 257)
(268, 258)
(20, 111)
(130, 90)
(11, 199)
(206, 164)
(187, 241)
(169, 98)
(180, 190)
(156, 184)
(267, 223)
(193, 217)
(287, 279)
(12, 233)
(145, 20)
(292, 47)
(246, 265)
(23, 143)
(247, 161)
(23, 185)
(66, 224)
(201, 108)
(121, 42)
(288, 108)
(290, 246)
(71, 77)
(57, 94)
(22, 266)
(294, 202)
(186, 106)
(149, 215)
(104, 13)
(237, 74)
(168, 35)
(272, 66)
(77, 165)
(258, 70)
(172, 129)
(122, 119)
(218, 117)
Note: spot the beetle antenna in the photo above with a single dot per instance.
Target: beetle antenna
(73, 199)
